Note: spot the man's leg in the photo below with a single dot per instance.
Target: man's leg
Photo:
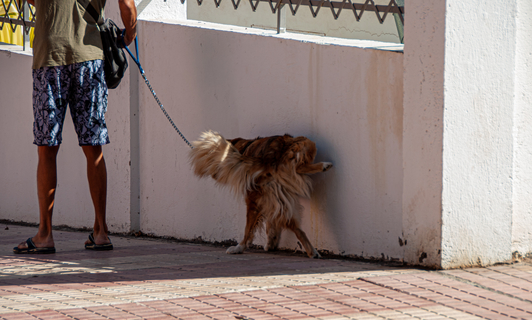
(50, 91)
(46, 185)
(88, 105)
(97, 176)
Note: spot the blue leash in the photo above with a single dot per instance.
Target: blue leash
(136, 60)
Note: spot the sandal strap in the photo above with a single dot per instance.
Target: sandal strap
(30, 244)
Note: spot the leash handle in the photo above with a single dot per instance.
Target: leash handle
(135, 58)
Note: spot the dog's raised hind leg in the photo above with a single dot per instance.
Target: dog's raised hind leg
(314, 168)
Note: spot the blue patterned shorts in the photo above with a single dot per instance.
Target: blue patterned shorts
(81, 86)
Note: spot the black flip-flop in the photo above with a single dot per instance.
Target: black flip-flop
(33, 249)
(98, 247)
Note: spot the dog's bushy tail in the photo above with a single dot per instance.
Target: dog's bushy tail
(214, 156)
(280, 188)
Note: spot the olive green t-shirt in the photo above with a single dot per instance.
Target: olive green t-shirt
(65, 33)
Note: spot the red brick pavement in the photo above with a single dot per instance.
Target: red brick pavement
(156, 279)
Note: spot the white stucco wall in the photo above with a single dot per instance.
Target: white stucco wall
(466, 139)
(240, 83)
(522, 182)
(478, 132)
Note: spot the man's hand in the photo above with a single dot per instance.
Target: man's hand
(128, 13)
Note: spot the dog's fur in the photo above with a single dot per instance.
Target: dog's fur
(271, 173)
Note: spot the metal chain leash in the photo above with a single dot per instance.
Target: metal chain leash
(155, 95)
(166, 113)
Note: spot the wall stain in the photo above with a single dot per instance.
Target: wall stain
(422, 257)
(384, 114)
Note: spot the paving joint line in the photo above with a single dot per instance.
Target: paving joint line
(431, 300)
(147, 294)
(394, 299)
(377, 304)
(212, 305)
(315, 306)
(144, 305)
(192, 309)
(306, 284)
(17, 310)
(249, 287)
(244, 293)
(275, 286)
(97, 313)
(98, 304)
(342, 303)
(511, 275)
(47, 300)
(478, 285)
(474, 294)
(254, 288)
(40, 298)
(301, 312)
(198, 284)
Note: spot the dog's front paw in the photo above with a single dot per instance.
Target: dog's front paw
(327, 166)
(235, 249)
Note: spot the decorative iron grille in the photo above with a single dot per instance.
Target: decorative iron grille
(18, 13)
(336, 7)
(394, 8)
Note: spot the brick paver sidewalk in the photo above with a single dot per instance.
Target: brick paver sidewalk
(157, 279)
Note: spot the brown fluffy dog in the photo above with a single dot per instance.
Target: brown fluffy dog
(271, 173)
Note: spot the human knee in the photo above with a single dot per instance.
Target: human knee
(47, 153)
(94, 154)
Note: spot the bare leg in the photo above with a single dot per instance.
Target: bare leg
(46, 185)
(97, 176)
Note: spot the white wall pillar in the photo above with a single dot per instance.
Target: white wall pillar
(479, 89)
(460, 82)
(522, 219)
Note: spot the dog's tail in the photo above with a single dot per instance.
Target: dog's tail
(214, 156)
